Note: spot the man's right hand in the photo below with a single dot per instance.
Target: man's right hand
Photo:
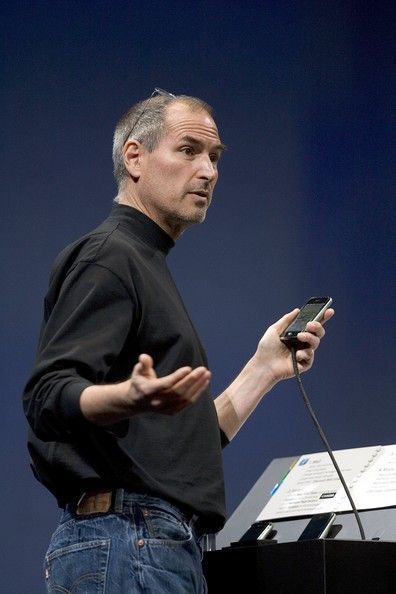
(168, 394)
(144, 392)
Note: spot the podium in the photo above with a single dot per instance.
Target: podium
(378, 523)
(305, 567)
(342, 564)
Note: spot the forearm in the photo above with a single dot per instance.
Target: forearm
(143, 392)
(106, 404)
(270, 364)
(241, 397)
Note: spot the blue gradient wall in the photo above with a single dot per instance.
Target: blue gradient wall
(302, 93)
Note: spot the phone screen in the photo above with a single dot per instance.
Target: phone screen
(257, 531)
(318, 527)
(312, 310)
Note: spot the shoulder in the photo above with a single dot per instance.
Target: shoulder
(102, 258)
(105, 246)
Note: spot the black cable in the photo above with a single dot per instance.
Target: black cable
(326, 443)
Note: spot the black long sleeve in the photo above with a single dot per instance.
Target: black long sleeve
(111, 297)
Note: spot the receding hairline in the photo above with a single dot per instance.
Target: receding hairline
(194, 103)
(194, 106)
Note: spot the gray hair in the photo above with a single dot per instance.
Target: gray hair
(144, 122)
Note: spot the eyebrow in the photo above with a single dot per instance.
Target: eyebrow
(218, 147)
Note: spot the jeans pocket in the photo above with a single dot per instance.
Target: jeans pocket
(78, 568)
(165, 526)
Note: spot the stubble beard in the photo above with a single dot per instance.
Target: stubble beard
(179, 221)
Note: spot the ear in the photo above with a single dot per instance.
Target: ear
(133, 151)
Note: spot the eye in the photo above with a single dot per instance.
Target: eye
(188, 150)
(214, 157)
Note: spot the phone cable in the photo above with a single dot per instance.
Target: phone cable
(325, 441)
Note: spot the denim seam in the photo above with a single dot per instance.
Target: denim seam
(82, 546)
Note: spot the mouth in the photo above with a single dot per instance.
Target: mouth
(200, 193)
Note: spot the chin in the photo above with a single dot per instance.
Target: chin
(199, 218)
(183, 221)
(198, 215)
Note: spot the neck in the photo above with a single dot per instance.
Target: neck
(129, 199)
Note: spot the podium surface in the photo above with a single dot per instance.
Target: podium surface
(305, 567)
(378, 523)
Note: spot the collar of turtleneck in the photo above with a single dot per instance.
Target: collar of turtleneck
(140, 225)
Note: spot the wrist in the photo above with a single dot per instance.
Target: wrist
(264, 372)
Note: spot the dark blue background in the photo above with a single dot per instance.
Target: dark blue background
(302, 93)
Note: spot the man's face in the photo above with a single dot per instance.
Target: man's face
(177, 179)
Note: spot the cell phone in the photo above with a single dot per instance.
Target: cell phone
(318, 527)
(312, 311)
(257, 531)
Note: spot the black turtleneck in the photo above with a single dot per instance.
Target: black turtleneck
(111, 297)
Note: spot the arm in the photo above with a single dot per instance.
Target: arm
(270, 363)
(143, 392)
(75, 383)
(88, 316)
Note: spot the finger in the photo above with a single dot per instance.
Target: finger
(329, 313)
(305, 359)
(194, 388)
(144, 367)
(315, 328)
(308, 339)
(146, 362)
(169, 381)
(305, 355)
(175, 390)
(177, 398)
(178, 402)
(200, 374)
(189, 388)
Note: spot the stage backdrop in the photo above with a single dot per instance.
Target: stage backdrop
(304, 206)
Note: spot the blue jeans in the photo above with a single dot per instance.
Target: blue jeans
(144, 545)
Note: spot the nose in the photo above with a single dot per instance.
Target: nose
(207, 168)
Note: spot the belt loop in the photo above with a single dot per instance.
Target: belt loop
(119, 500)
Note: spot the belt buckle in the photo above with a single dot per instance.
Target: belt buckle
(98, 502)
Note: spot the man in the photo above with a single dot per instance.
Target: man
(124, 431)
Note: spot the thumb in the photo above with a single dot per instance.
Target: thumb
(146, 360)
(144, 366)
(285, 320)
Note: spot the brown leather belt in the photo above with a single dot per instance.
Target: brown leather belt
(104, 500)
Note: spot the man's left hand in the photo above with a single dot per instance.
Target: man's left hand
(275, 356)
